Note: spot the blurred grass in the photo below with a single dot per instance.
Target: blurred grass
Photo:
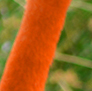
(75, 43)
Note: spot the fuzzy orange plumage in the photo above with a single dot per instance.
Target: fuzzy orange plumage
(28, 64)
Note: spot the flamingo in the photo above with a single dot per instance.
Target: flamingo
(34, 48)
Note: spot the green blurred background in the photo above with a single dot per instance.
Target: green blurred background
(72, 67)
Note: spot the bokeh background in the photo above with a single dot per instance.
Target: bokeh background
(72, 67)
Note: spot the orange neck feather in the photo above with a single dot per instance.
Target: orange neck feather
(33, 51)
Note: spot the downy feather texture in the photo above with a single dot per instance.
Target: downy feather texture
(33, 51)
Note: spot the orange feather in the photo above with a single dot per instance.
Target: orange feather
(33, 51)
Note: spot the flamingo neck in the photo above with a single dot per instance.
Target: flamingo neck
(33, 51)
